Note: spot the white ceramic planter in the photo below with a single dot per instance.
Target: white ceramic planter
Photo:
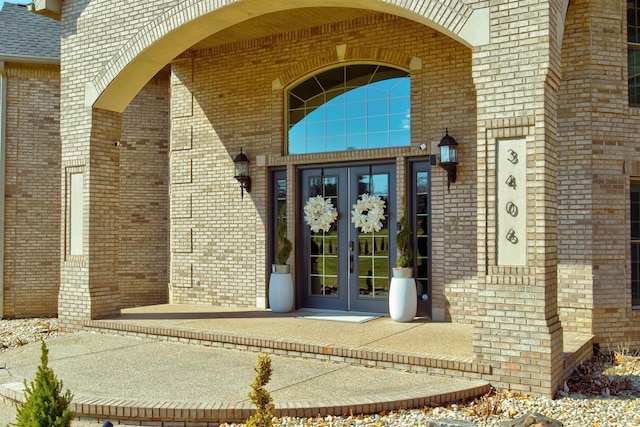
(403, 299)
(281, 291)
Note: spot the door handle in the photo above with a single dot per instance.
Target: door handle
(351, 256)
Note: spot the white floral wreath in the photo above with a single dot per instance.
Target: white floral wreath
(319, 213)
(368, 213)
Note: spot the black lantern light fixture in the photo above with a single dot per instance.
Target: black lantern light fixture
(241, 172)
(449, 156)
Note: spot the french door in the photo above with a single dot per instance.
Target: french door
(344, 268)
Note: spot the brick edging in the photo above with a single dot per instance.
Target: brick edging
(197, 413)
(447, 366)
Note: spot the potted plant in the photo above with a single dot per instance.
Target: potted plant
(284, 244)
(403, 299)
(280, 282)
(403, 246)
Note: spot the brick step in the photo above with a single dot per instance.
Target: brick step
(442, 365)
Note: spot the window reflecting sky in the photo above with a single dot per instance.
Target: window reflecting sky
(375, 115)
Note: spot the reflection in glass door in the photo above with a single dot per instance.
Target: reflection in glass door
(344, 267)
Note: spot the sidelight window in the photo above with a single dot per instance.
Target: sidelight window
(633, 51)
(635, 245)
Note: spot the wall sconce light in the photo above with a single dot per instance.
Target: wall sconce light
(241, 172)
(449, 156)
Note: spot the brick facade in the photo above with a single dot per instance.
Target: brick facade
(598, 151)
(144, 205)
(163, 218)
(33, 212)
(223, 99)
(128, 265)
(32, 185)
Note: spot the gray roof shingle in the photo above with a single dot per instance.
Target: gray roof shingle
(25, 34)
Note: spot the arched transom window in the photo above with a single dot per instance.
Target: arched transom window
(352, 107)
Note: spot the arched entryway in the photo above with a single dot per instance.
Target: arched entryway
(227, 97)
(185, 274)
(179, 28)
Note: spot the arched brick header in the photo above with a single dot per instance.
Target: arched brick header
(187, 23)
(368, 54)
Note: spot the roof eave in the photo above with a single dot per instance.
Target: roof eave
(47, 8)
(29, 59)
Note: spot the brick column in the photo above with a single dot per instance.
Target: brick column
(89, 282)
(518, 332)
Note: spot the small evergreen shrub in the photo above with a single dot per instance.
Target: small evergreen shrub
(259, 395)
(45, 406)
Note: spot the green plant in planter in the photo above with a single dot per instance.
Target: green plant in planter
(284, 244)
(403, 240)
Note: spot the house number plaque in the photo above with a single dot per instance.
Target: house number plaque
(511, 209)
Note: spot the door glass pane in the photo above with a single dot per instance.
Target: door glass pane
(373, 248)
(323, 253)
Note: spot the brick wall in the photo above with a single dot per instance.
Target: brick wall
(89, 37)
(32, 199)
(598, 148)
(223, 98)
(144, 201)
(580, 139)
(32, 204)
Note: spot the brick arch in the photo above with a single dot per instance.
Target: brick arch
(180, 27)
(314, 63)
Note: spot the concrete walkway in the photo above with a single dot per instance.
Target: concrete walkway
(139, 379)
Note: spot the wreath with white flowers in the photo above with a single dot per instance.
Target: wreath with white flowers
(319, 213)
(368, 213)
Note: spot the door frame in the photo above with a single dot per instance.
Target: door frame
(377, 305)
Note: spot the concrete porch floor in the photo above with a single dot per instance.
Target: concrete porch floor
(422, 335)
(262, 327)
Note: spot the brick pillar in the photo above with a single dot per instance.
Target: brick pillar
(518, 332)
(89, 281)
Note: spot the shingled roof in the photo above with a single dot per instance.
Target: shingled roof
(25, 36)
